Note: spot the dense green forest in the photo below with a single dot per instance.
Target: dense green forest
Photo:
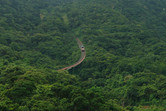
(125, 65)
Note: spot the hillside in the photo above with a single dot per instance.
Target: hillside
(125, 65)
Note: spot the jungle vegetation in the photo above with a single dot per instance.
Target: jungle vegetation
(125, 66)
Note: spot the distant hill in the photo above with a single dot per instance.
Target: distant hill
(125, 65)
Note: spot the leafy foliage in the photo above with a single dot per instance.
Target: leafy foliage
(124, 69)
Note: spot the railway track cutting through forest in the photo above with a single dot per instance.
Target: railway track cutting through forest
(82, 57)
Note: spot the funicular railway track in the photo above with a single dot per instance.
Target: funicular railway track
(82, 57)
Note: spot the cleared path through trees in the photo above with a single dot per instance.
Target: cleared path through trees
(83, 55)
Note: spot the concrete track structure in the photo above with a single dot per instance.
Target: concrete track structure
(82, 57)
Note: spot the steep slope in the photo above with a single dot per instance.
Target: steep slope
(126, 55)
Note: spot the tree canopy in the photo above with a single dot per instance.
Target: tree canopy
(125, 65)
